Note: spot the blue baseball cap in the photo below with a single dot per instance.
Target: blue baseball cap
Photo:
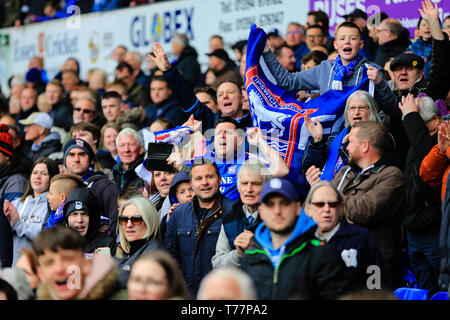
(281, 187)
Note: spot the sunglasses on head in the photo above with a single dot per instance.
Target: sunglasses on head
(135, 220)
(321, 204)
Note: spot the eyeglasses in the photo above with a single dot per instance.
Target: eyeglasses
(135, 220)
(83, 110)
(321, 204)
(147, 283)
(360, 108)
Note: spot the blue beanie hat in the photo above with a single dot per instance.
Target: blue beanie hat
(33, 75)
(80, 144)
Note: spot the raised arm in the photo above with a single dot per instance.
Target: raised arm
(277, 166)
(181, 89)
(292, 81)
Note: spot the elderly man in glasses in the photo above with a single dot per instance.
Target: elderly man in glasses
(356, 244)
(373, 189)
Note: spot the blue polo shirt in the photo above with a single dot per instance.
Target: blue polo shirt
(228, 170)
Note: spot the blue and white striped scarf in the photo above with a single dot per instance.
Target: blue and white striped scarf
(342, 73)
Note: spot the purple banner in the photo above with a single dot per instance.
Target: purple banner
(406, 11)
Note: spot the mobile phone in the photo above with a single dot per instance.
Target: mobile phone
(157, 154)
(105, 251)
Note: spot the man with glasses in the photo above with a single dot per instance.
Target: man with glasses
(295, 39)
(85, 111)
(356, 245)
(393, 39)
(373, 190)
(286, 260)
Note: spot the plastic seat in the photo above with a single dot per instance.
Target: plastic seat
(410, 278)
(443, 295)
(405, 293)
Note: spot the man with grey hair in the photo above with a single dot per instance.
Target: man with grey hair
(393, 39)
(421, 120)
(239, 224)
(186, 61)
(130, 148)
(134, 59)
(227, 283)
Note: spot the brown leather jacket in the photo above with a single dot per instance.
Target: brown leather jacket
(374, 199)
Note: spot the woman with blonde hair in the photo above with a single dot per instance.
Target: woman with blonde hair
(138, 224)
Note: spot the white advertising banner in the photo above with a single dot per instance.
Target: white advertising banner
(91, 37)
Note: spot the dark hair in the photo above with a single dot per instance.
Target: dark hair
(52, 169)
(57, 237)
(123, 65)
(322, 17)
(129, 192)
(112, 94)
(201, 162)
(315, 55)
(348, 24)
(87, 126)
(317, 26)
(228, 119)
(279, 49)
(158, 78)
(176, 284)
(8, 290)
(210, 91)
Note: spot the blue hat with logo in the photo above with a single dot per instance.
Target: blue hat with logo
(281, 187)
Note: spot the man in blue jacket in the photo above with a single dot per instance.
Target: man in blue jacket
(286, 260)
(193, 227)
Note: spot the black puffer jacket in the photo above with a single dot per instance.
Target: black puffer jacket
(93, 239)
(188, 66)
(392, 48)
(424, 202)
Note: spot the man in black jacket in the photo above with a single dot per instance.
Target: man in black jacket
(393, 40)
(421, 120)
(130, 148)
(286, 260)
(79, 159)
(186, 62)
(81, 213)
(37, 130)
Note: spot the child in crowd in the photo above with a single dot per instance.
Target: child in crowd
(61, 186)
